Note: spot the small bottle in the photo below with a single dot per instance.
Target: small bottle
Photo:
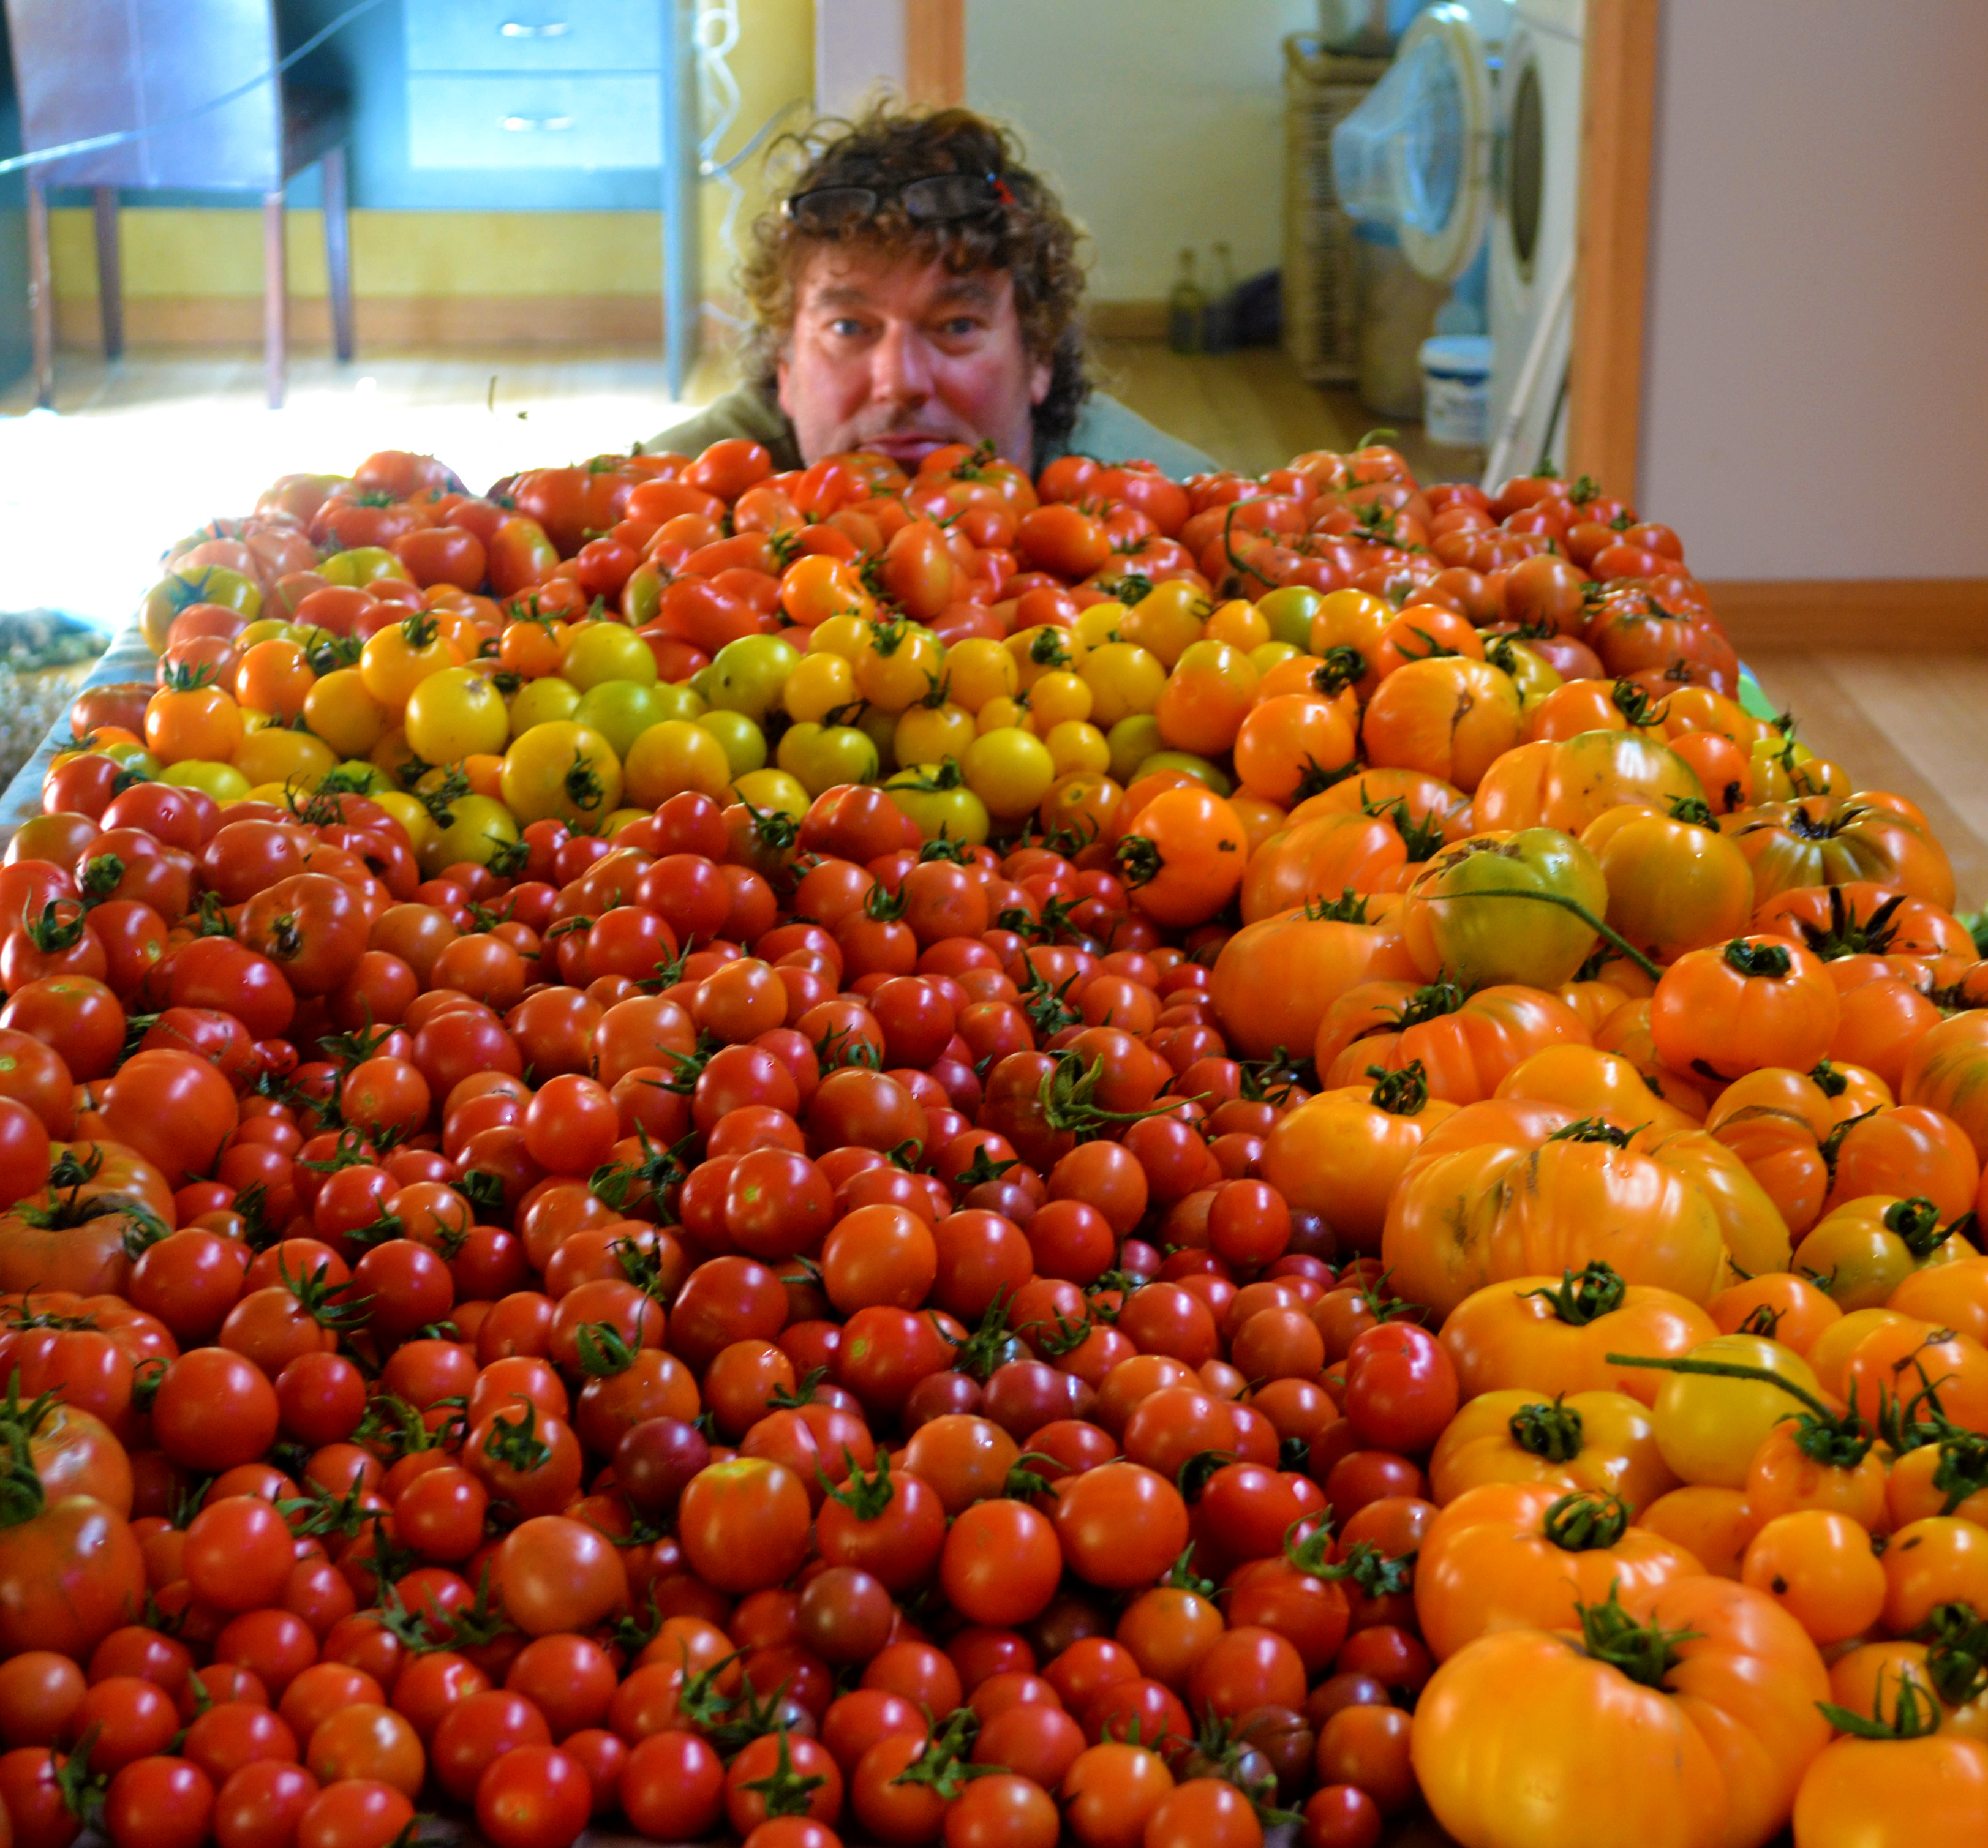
(1187, 309)
(1218, 320)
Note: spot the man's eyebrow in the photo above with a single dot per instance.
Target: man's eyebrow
(971, 292)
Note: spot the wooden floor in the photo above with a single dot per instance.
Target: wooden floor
(1908, 723)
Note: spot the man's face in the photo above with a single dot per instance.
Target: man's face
(894, 354)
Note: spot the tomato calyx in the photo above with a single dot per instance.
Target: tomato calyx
(1402, 1093)
(1595, 1290)
(1048, 1007)
(1430, 1002)
(1957, 1653)
(483, 1189)
(1643, 1652)
(1637, 709)
(515, 1443)
(582, 783)
(319, 1297)
(981, 1169)
(52, 932)
(1376, 1574)
(1065, 1095)
(351, 1150)
(1916, 1222)
(992, 1344)
(1349, 907)
(1421, 838)
(1583, 1521)
(1312, 1555)
(1835, 1441)
(1221, 1748)
(1771, 961)
(1552, 1433)
(603, 1351)
(941, 1765)
(866, 1497)
(1828, 1079)
(1192, 1476)
(21, 1495)
(1595, 1129)
(101, 875)
(1694, 813)
(783, 1790)
(1339, 666)
(1915, 1713)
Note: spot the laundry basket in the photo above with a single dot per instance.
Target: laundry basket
(1321, 261)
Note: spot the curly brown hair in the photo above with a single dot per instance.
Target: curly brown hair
(1031, 238)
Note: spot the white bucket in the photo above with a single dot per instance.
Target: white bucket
(1456, 390)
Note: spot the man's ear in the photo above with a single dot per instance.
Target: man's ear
(1040, 373)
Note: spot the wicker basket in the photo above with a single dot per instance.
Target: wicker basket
(1321, 269)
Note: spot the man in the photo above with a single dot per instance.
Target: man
(918, 287)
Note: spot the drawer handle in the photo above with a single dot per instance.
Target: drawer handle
(528, 125)
(512, 28)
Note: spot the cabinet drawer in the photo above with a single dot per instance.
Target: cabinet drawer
(534, 35)
(537, 123)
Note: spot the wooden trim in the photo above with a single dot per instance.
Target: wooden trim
(1127, 320)
(1891, 616)
(1612, 247)
(935, 52)
(379, 320)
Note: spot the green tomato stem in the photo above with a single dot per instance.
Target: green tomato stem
(1654, 970)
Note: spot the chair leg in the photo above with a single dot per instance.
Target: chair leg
(41, 292)
(109, 271)
(275, 298)
(338, 251)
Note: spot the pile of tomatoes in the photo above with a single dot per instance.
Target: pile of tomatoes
(956, 1159)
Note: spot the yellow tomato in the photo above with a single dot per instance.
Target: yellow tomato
(410, 811)
(1047, 649)
(222, 781)
(565, 771)
(843, 635)
(454, 713)
(361, 565)
(1124, 679)
(925, 734)
(1074, 746)
(772, 789)
(1238, 623)
(606, 651)
(744, 743)
(979, 669)
(1099, 623)
(475, 828)
(275, 754)
(1003, 715)
(1131, 741)
(675, 755)
(1010, 770)
(818, 684)
(540, 702)
(1059, 697)
(899, 663)
(1168, 620)
(1707, 1428)
(397, 659)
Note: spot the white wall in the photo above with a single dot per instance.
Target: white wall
(1815, 396)
(1160, 121)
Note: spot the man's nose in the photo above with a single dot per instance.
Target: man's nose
(900, 366)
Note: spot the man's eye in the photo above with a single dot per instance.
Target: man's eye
(845, 327)
(960, 327)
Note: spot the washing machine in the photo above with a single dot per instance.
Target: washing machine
(1475, 132)
(1535, 180)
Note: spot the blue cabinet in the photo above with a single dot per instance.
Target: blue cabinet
(522, 35)
(586, 85)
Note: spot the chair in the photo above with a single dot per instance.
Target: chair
(92, 67)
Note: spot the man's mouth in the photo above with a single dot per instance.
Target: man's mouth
(900, 444)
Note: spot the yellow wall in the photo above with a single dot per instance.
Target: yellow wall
(169, 252)
(176, 252)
